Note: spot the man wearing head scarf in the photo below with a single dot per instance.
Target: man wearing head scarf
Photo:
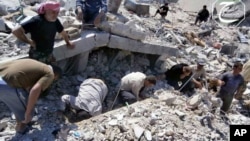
(43, 29)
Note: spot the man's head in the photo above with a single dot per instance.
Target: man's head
(150, 80)
(57, 72)
(50, 9)
(237, 67)
(186, 71)
(200, 64)
(204, 7)
(166, 4)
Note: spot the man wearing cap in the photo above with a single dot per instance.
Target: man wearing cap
(198, 76)
(43, 29)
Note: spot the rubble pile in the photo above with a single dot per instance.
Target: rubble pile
(167, 114)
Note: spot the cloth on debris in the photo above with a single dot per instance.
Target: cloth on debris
(48, 5)
(91, 8)
(90, 97)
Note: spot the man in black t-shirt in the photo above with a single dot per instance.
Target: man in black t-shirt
(43, 29)
(177, 73)
(163, 11)
(202, 15)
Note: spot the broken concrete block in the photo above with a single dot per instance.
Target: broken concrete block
(142, 9)
(113, 5)
(130, 5)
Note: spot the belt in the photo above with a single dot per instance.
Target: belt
(2, 81)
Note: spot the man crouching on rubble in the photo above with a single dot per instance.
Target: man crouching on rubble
(231, 83)
(43, 29)
(21, 83)
(133, 84)
(89, 100)
(176, 74)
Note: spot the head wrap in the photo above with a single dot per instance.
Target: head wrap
(48, 5)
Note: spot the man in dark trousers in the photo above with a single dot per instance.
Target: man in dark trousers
(163, 11)
(230, 83)
(21, 83)
(176, 74)
(202, 15)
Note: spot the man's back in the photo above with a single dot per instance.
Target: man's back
(25, 73)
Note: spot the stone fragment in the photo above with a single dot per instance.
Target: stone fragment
(138, 131)
(148, 135)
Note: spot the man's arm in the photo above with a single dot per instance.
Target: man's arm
(20, 34)
(66, 39)
(33, 96)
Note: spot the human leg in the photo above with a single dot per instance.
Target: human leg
(128, 97)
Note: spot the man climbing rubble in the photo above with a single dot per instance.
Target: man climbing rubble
(163, 11)
(89, 100)
(202, 15)
(177, 74)
(43, 29)
(198, 77)
(21, 83)
(230, 84)
(90, 11)
(132, 85)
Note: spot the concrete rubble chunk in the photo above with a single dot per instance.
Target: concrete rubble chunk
(138, 131)
(142, 9)
(148, 135)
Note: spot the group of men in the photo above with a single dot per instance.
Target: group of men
(202, 15)
(23, 81)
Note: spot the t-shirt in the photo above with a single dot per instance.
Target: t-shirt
(175, 72)
(133, 82)
(232, 83)
(198, 73)
(25, 73)
(164, 10)
(42, 32)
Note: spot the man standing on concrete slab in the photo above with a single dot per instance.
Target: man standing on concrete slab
(133, 84)
(88, 10)
(21, 83)
(230, 82)
(89, 100)
(202, 15)
(176, 74)
(163, 11)
(43, 29)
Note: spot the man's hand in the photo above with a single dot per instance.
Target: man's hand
(79, 15)
(32, 44)
(70, 45)
(27, 119)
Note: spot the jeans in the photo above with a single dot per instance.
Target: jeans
(15, 99)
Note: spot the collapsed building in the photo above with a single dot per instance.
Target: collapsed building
(130, 40)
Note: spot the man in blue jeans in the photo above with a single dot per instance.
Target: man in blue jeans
(88, 10)
(21, 83)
